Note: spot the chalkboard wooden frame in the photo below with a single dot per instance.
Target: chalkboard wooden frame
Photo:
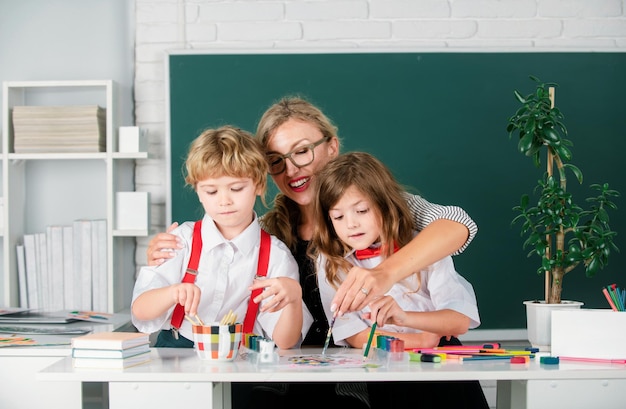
(438, 120)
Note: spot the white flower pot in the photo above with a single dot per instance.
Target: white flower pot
(539, 321)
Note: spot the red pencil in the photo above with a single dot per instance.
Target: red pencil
(609, 299)
(600, 360)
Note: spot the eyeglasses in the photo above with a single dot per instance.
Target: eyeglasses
(300, 157)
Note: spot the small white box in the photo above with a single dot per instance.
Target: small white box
(589, 333)
(132, 210)
(131, 139)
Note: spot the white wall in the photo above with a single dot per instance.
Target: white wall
(415, 25)
(70, 40)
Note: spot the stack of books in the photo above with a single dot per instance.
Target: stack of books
(56, 129)
(110, 350)
(65, 267)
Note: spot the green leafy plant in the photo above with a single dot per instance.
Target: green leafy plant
(561, 233)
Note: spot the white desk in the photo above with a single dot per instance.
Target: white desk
(19, 388)
(177, 377)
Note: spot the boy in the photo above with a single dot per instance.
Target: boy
(227, 169)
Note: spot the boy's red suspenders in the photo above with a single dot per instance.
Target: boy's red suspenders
(192, 272)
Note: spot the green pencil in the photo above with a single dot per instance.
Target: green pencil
(369, 341)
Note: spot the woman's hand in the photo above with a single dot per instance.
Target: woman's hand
(278, 293)
(360, 288)
(162, 246)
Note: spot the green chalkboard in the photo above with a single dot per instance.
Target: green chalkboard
(438, 120)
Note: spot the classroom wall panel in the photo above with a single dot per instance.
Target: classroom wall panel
(438, 120)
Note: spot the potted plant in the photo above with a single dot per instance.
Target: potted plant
(561, 233)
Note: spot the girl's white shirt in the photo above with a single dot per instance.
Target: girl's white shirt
(442, 287)
(225, 272)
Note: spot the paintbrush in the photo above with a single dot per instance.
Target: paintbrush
(330, 331)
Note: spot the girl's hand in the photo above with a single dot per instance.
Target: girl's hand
(385, 310)
(161, 246)
(278, 293)
(187, 295)
(360, 288)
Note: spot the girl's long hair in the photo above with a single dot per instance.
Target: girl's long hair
(374, 180)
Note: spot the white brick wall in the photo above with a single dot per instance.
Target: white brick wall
(430, 25)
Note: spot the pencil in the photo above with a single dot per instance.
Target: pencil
(369, 341)
(188, 318)
(609, 299)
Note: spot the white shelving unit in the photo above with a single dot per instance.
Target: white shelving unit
(42, 189)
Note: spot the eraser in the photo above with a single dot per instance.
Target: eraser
(549, 360)
(519, 359)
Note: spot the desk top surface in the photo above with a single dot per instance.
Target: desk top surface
(183, 365)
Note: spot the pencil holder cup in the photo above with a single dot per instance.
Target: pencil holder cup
(219, 343)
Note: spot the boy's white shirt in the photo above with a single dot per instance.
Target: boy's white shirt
(225, 272)
(441, 288)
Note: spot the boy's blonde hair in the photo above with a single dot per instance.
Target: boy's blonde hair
(226, 151)
(374, 180)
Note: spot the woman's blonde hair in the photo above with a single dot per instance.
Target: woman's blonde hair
(284, 217)
(226, 151)
(374, 180)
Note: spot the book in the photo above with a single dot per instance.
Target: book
(45, 330)
(35, 317)
(32, 271)
(59, 129)
(110, 340)
(54, 258)
(99, 280)
(70, 287)
(45, 286)
(82, 263)
(114, 363)
(110, 353)
(21, 274)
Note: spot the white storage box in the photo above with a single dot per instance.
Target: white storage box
(589, 333)
(132, 210)
(132, 139)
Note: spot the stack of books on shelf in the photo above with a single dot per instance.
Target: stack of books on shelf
(110, 350)
(56, 129)
(65, 267)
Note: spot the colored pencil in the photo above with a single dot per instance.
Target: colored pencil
(600, 360)
(609, 299)
(483, 357)
(369, 341)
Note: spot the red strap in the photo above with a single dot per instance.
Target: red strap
(261, 271)
(192, 271)
(190, 274)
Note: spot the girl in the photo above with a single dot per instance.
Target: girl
(361, 218)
